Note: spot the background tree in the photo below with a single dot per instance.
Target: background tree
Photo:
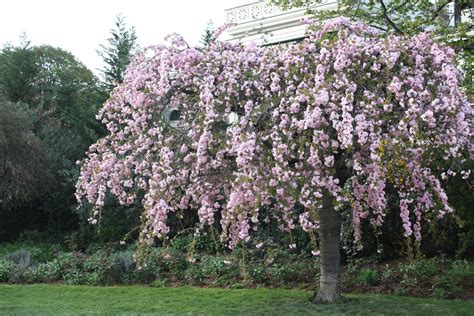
(334, 121)
(117, 53)
(62, 97)
(399, 16)
(17, 68)
(208, 37)
(25, 172)
(23, 162)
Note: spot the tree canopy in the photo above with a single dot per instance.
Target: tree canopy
(343, 112)
(299, 132)
(402, 17)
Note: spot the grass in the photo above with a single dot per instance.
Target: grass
(68, 300)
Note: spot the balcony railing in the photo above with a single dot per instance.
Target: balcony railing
(251, 12)
(266, 24)
(258, 10)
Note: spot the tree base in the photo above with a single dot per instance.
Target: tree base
(324, 297)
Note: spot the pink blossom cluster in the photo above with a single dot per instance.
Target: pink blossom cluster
(342, 108)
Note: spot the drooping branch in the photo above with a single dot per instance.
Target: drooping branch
(342, 104)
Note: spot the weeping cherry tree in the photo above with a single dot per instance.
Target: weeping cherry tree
(326, 123)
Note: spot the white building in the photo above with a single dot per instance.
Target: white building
(266, 24)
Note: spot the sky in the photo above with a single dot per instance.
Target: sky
(80, 26)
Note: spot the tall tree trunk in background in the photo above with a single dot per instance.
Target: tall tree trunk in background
(457, 13)
(329, 234)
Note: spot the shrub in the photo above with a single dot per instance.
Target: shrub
(368, 276)
(177, 262)
(417, 270)
(73, 277)
(204, 243)
(120, 268)
(97, 261)
(258, 274)
(39, 251)
(194, 275)
(6, 268)
(70, 266)
(388, 273)
(162, 262)
(43, 272)
(212, 266)
(182, 242)
(449, 284)
(160, 283)
(102, 268)
(21, 260)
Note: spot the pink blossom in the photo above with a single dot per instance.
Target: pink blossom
(301, 113)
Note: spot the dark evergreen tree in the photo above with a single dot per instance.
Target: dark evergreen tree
(121, 46)
(208, 37)
(17, 68)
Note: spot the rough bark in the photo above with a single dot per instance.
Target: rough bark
(329, 234)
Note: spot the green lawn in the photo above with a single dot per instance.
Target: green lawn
(64, 299)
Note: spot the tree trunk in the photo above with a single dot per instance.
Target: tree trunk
(329, 234)
(457, 13)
